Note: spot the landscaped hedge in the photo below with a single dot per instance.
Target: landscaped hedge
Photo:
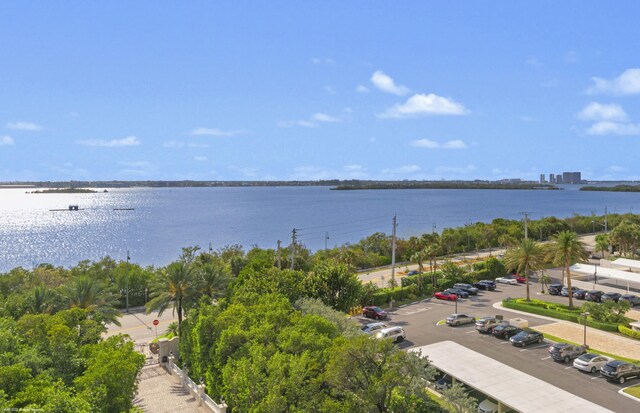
(558, 311)
(629, 332)
(398, 294)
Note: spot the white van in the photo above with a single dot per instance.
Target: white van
(395, 333)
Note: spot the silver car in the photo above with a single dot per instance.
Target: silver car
(458, 319)
(486, 324)
(591, 362)
(372, 328)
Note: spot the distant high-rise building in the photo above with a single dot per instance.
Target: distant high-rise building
(571, 177)
(559, 179)
(552, 178)
(542, 180)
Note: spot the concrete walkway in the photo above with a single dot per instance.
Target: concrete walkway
(159, 392)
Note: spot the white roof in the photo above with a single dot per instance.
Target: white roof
(625, 262)
(504, 383)
(606, 272)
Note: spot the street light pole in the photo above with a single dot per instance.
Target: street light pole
(585, 315)
(595, 275)
(456, 301)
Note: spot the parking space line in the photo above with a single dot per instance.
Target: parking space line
(567, 368)
(472, 331)
(546, 358)
(597, 377)
(505, 342)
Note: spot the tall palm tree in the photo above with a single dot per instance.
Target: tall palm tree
(212, 279)
(525, 257)
(91, 294)
(565, 249)
(174, 287)
(43, 300)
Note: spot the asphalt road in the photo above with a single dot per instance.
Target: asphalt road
(139, 326)
(420, 323)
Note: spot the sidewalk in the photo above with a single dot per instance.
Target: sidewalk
(159, 392)
(596, 339)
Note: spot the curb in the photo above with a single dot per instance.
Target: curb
(634, 398)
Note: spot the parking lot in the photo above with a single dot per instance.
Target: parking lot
(421, 323)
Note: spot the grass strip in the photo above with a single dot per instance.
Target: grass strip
(633, 391)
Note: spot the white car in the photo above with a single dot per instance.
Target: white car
(591, 362)
(505, 280)
(372, 328)
(396, 334)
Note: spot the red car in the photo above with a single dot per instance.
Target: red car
(446, 296)
(374, 312)
(519, 278)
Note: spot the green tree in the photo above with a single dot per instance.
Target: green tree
(212, 279)
(627, 236)
(565, 249)
(335, 284)
(92, 294)
(459, 400)
(364, 374)
(602, 244)
(526, 257)
(451, 271)
(174, 288)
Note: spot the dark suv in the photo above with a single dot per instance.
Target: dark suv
(566, 352)
(486, 285)
(594, 295)
(555, 289)
(620, 371)
(610, 297)
(466, 287)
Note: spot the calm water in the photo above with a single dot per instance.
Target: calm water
(165, 220)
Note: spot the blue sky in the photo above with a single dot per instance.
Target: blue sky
(283, 90)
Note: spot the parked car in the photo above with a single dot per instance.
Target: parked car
(413, 272)
(634, 300)
(486, 324)
(445, 296)
(457, 291)
(566, 352)
(579, 294)
(396, 334)
(525, 337)
(620, 371)
(610, 297)
(374, 312)
(506, 280)
(591, 362)
(487, 406)
(594, 295)
(466, 287)
(443, 382)
(486, 285)
(373, 327)
(565, 291)
(555, 289)
(505, 331)
(519, 278)
(458, 319)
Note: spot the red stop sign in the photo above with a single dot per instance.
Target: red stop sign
(156, 322)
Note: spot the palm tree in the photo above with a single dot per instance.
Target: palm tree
(213, 279)
(526, 257)
(91, 294)
(544, 279)
(174, 287)
(43, 300)
(565, 249)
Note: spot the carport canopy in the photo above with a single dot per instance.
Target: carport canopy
(606, 272)
(510, 387)
(625, 262)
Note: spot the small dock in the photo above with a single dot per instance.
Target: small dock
(70, 208)
(124, 209)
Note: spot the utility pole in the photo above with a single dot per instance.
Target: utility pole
(279, 256)
(293, 247)
(326, 238)
(127, 283)
(526, 227)
(393, 253)
(605, 219)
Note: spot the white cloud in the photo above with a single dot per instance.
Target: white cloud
(615, 168)
(330, 90)
(138, 168)
(200, 158)
(323, 117)
(526, 118)
(197, 145)
(362, 89)
(128, 141)
(424, 105)
(532, 61)
(406, 169)
(628, 83)
(323, 60)
(614, 128)
(455, 170)
(429, 144)
(28, 126)
(6, 141)
(178, 145)
(218, 132)
(386, 84)
(597, 112)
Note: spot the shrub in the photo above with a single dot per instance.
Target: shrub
(629, 332)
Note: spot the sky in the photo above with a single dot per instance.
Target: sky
(307, 90)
